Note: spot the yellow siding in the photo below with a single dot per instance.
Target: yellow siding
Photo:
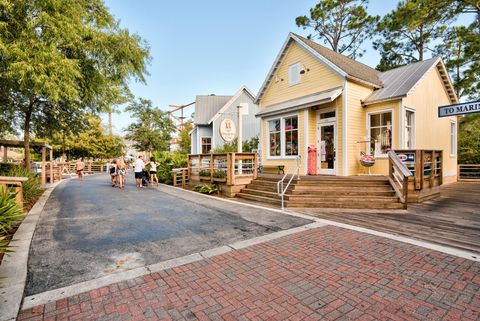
(356, 126)
(432, 132)
(317, 79)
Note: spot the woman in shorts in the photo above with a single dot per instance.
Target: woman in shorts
(153, 171)
(80, 166)
(121, 172)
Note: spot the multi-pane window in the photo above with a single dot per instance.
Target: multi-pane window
(453, 139)
(206, 145)
(294, 74)
(409, 129)
(291, 136)
(380, 133)
(274, 137)
(283, 136)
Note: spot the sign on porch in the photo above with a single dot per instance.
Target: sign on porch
(459, 109)
(227, 130)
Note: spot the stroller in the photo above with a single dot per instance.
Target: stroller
(145, 178)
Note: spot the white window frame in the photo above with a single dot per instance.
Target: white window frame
(282, 136)
(453, 142)
(391, 110)
(413, 127)
(201, 144)
(291, 80)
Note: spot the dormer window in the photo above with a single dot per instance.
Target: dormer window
(294, 74)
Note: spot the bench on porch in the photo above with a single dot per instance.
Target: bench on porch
(273, 169)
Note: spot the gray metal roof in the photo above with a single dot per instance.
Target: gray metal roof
(206, 106)
(399, 81)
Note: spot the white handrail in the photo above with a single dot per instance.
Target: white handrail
(280, 182)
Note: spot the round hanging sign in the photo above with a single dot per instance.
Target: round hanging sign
(227, 130)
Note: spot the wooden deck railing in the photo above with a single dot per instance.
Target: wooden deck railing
(469, 172)
(17, 184)
(398, 175)
(426, 167)
(89, 167)
(180, 177)
(229, 168)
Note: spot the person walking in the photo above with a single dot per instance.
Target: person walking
(113, 172)
(139, 166)
(153, 171)
(121, 172)
(80, 166)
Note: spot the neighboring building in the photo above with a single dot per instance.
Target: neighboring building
(211, 110)
(316, 97)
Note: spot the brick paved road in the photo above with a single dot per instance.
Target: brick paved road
(327, 273)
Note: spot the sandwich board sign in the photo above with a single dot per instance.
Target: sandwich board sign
(471, 107)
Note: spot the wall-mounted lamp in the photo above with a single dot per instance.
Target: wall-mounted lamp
(304, 69)
(315, 108)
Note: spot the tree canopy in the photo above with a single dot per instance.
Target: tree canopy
(341, 24)
(184, 140)
(61, 60)
(152, 129)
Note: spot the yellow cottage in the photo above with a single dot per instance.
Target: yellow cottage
(314, 98)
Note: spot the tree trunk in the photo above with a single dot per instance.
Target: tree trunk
(26, 134)
(110, 125)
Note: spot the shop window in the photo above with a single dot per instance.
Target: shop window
(409, 129)
(206, 145)
(291, 136)
(380, 132)
(453, 139)
(283, 136)
(294, 74)
(274, 137)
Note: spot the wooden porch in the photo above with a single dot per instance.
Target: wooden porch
(453, 219)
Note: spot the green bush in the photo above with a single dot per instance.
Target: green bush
(204, 172)
(207, 189)
(32, 188)
(10, 213)
(219, 174)
(167, 161)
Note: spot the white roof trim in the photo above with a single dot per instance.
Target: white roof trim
(194, 128)
(231, 101)
(307, 101)
(281, 54)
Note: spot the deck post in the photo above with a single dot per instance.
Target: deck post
(44, 174)
(211, 167)
(174, 178)
(5, 153)
(233, 169)
(184, 180)
(418, 168)
(440, 174)
(52, 174)
(255, 164)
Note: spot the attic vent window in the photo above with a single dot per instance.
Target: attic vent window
(294, 74)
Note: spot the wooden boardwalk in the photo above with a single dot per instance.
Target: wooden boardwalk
(453, 219)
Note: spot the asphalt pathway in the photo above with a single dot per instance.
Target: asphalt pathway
(89, 229)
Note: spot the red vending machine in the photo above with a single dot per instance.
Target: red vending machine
(312, 160)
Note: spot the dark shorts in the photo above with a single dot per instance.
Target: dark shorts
(138, 175)
(153, 172)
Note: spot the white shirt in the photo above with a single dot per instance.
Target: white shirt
(139, 165)
(153, 166)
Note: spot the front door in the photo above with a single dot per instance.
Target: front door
(326, 148)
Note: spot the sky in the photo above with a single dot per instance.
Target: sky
(212, 46)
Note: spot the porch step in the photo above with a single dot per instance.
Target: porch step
(325, 192)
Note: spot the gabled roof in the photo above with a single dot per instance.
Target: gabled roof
(399, 82)
(231, 101)
(343, 66)
(206, 106)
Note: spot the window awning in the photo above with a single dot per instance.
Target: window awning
(316, 99)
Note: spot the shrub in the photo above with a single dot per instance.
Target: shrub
(207, 189)
(167, 161)
(10, 213)
(219, 174)
(204, 172)
(32, 188)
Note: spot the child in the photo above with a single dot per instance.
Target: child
(153, 171)
(113, 172)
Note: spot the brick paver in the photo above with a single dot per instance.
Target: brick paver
(327, 273)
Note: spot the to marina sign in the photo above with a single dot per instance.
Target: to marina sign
(459, 109)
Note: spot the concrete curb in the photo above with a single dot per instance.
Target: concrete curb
(75, 289)
(15, 264)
